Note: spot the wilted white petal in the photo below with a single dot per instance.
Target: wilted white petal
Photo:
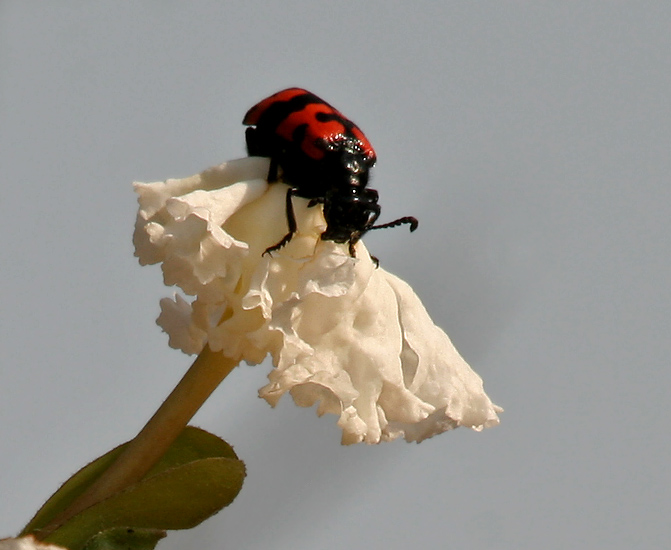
(27, 543)
(344, 335)
(376, 358)
(176, 320)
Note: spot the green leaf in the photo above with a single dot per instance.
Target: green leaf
(178, 498)
(124, 538)
(199, 475)
(70, 490)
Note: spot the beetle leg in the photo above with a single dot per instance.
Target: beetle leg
(352, 252)
(272, 170)
(253, 149)
(291, 222)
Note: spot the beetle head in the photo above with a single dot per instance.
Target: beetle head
(349, 213)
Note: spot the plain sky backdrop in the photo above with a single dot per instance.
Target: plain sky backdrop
(531, 139)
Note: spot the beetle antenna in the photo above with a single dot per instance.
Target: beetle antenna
(407, 219)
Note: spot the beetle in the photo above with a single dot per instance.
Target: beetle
(324, 157)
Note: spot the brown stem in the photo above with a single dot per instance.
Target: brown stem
(145, 450)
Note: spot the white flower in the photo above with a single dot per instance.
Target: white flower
(344, 334)
(27, 543)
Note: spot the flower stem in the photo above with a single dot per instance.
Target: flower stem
(145, 450)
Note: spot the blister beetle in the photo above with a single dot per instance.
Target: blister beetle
(324, 157)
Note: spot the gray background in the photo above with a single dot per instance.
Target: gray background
(531, 139)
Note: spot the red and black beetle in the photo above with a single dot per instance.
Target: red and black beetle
(324, 157)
